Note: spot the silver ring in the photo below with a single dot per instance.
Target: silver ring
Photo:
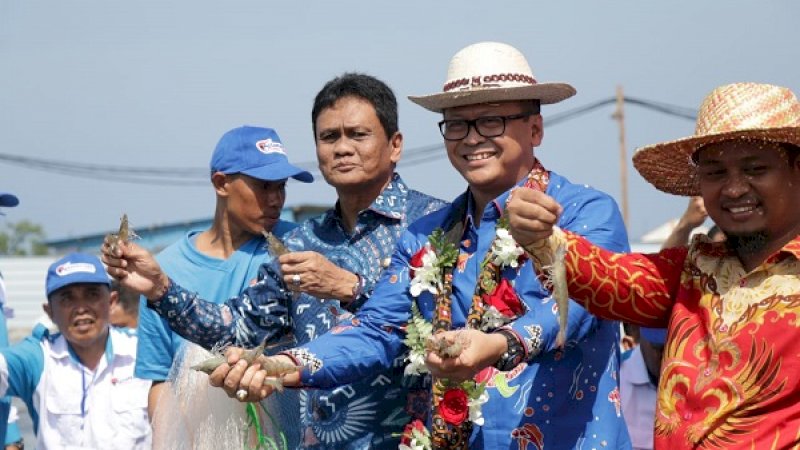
(296, 279)
(241, 394)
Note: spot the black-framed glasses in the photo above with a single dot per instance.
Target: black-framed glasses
(488, 127)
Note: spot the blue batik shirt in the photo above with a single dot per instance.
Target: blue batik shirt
(554, 399)
(361, 415)
(214, 278)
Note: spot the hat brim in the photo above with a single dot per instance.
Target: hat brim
(669, 166)
(69, 281)
(8, 200)
(546, 93)
(276, 172)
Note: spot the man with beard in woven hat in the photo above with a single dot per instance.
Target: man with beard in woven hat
(731, 307)
(504, 377)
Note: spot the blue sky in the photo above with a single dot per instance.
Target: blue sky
(155, 84)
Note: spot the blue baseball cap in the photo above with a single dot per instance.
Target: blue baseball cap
(75, 268)
(256, 152)
(8, 200)
(656, 336)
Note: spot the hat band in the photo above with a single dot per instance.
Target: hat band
(478, 81)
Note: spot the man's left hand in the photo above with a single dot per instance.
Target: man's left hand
(314, 274)
(479, 350)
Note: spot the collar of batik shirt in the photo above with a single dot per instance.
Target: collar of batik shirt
(391, 202)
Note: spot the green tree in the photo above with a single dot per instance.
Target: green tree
(22, 238)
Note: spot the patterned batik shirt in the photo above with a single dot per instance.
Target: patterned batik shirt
(554, 399)
(729, 369)
(360, 415)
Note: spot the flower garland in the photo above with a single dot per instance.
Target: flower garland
(495, 303)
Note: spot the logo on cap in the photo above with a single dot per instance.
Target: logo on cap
(268, 146)
(69, 268)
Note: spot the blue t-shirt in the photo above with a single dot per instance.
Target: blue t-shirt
(367, 414)
(214, 279)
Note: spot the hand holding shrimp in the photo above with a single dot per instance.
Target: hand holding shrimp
(531, 215)
(134, 267)
(478, 350)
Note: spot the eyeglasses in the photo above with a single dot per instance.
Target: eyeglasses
(488, 127)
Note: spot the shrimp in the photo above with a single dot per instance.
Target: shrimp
(272, 367)
(557, 279)
(276, 247)
(210, 364)
(444, 348)
(124, 234)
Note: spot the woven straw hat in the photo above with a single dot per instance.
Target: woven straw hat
(491, 72)
(746, 111)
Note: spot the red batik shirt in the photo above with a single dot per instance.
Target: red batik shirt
(732, 360)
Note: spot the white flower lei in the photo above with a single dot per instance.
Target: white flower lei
(505, 251)
(429, 276)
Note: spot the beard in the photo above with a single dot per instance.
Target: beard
(749, 243)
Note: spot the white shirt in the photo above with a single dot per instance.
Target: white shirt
(638, 397)
(78, 408)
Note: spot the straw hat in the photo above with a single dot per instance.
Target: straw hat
(746, 111)
(491, 72)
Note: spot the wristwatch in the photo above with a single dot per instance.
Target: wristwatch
(513, 355)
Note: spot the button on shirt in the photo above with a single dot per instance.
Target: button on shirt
(360, 415)
(555, 399)
(73, 407)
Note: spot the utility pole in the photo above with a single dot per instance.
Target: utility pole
(619, 116)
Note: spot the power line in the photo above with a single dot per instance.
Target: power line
(196, 176)
(666, 108)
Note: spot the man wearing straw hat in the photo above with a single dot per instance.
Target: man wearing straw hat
(504, 378)
(730, 361)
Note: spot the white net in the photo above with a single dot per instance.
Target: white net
(192, 415)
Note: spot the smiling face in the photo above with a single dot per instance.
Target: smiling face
(353, 150)
(750, 189)
(491, 166)
(81, 312)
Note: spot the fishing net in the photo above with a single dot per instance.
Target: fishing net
(193, 415)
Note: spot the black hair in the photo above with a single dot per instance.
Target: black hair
(362, 86)
(792, 152)
(536, 106)
(127, 299)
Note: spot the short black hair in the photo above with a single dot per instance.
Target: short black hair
(535, 105)
(362, 86)
(127, 299)
(792, 152)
